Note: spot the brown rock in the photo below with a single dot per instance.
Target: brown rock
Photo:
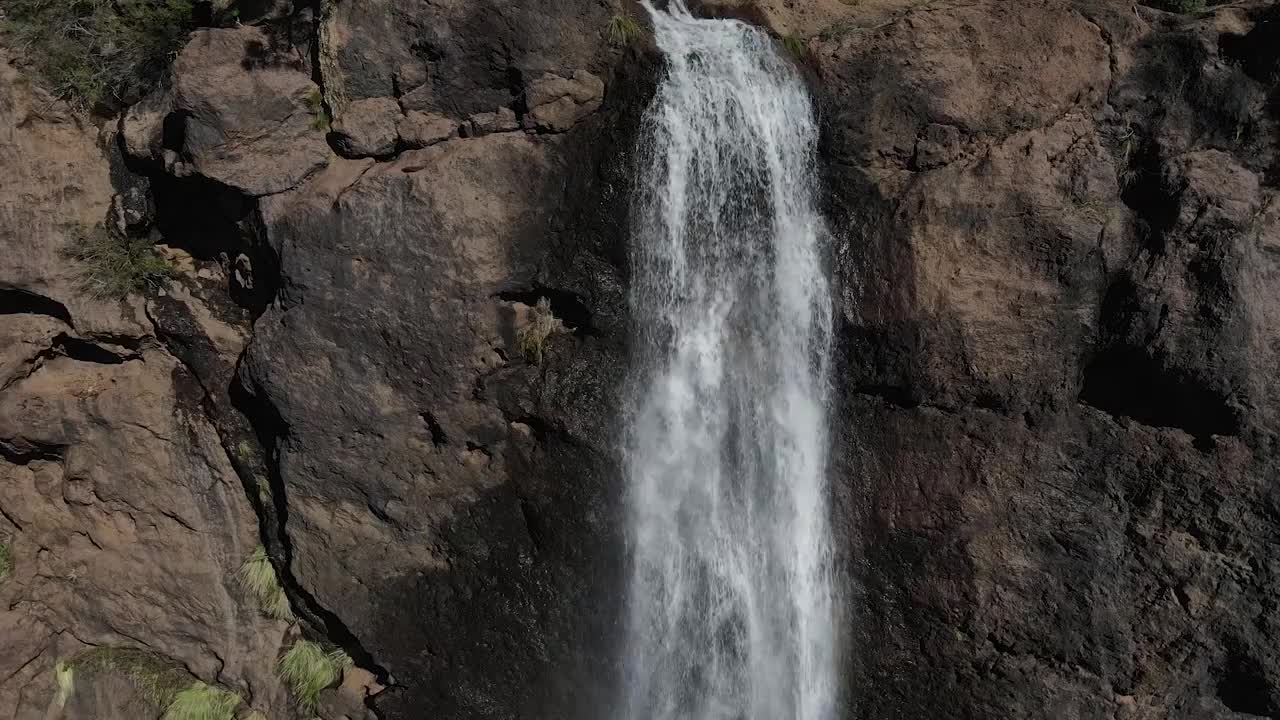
(501, 120)
(419, 129)
(251, 125)
(125, 521)
(142, 125)
(58, 187)
(556, 103)
(368, 128)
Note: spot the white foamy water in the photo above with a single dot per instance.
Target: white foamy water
(731, 607)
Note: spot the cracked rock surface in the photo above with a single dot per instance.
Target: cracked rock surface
(1054, 235)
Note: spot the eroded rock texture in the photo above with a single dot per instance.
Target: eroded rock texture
(1058, 404)
(1055, 232)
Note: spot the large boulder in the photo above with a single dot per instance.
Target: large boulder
(239, 110)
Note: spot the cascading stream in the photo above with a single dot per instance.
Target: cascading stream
(731, 607)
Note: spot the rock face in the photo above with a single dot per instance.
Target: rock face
(241, 111)
(1054, 236)
(1058, 419)
(122, 522)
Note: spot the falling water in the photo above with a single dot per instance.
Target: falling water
(731, 601)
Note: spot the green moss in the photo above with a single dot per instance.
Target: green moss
(258, 578)
(115, 266)
(307, 668)
(97, 51)
(200, 701)
(157, 678)
(6, 561)
(624, 28)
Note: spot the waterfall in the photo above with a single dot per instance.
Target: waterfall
(731, 607)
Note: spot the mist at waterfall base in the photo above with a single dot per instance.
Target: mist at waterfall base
(731, 608)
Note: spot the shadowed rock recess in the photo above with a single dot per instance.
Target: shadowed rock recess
(1056, 262)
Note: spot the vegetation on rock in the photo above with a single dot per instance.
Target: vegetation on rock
(320, 119)
(533, 338)
(97, 51)
(258, 578)
(794, 45)
(6, 561)
(201, 701)
(115, 265)
(65, 678)
(623, 29)
(156, 678)
(307, 668)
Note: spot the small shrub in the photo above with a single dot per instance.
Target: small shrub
(623, 29)
(65, 677)
(157, 678)
(115, 265)
(200, 701)
(6, 560)
(307, 668)
(258, 578)
(320, 119)
(97, 51)
(794, 45)
(533, 338)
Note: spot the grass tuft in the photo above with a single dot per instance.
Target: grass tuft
(156, 678)
(320, 119)
(623, 29)
(6, 560)
(256, 715)
(65, 677)
(307, 668)
(258, 578)
(97, 51)
(115, 265)
(794, 45)
(200, 701)
(533, 338)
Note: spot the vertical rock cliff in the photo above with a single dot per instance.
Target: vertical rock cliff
(386, 337)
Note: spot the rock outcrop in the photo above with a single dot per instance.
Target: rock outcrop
(122, 522)
(1058, 422)
(1054, 237)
